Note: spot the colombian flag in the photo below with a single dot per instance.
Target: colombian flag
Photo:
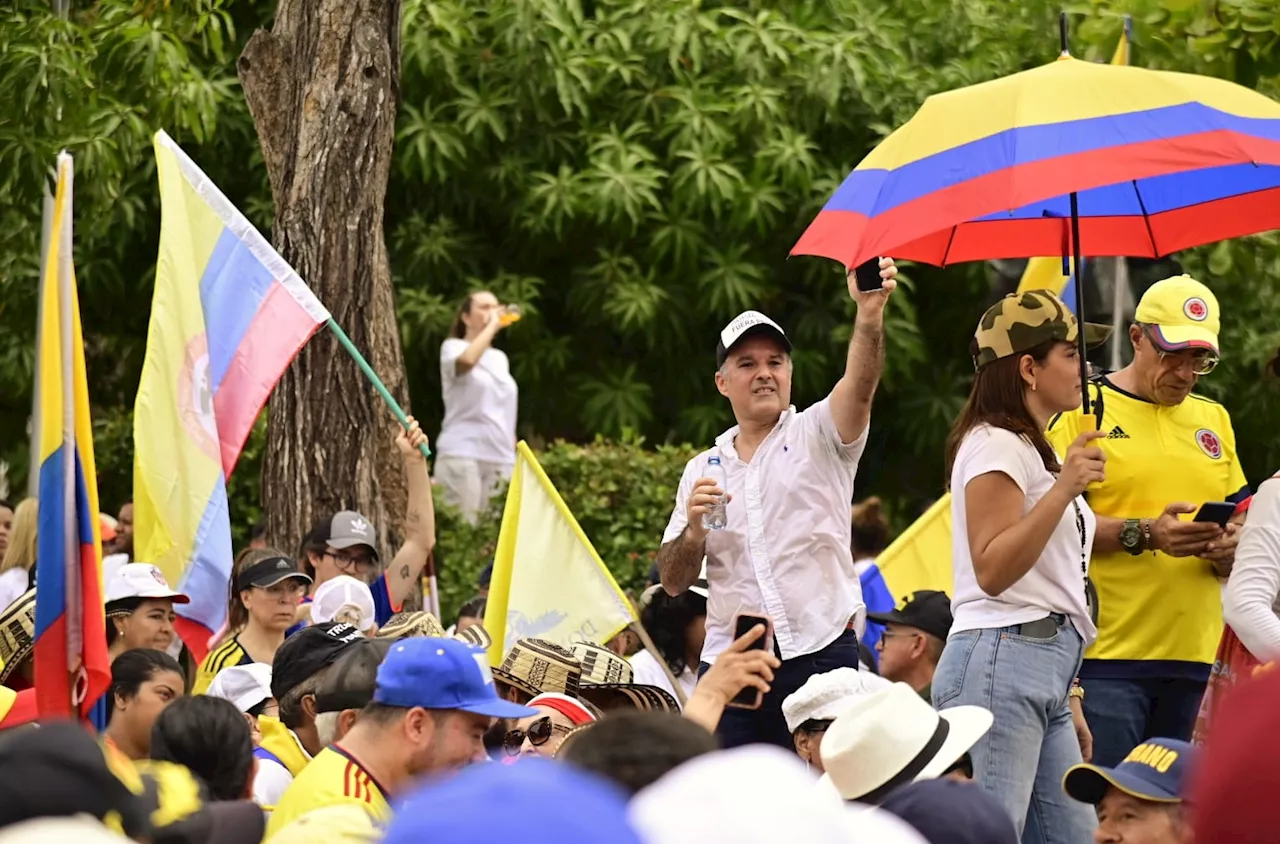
(227, 316)
(71, 665)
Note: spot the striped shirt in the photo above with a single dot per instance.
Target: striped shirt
(333, 777)
(226, 655)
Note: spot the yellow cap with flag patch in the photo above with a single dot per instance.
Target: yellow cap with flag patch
(1182, 314)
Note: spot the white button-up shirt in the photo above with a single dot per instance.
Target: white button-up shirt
(786, 549)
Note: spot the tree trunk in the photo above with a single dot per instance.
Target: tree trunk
(323, 87)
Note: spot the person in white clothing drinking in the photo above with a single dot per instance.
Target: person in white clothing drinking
(784, 550)
(476, 449)
(1022, 537)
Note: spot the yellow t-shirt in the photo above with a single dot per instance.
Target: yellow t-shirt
(1159, 616)
(332, 778)
(227, 654)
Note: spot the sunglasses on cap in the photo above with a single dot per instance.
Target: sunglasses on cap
(539, 733)
(1203, 361)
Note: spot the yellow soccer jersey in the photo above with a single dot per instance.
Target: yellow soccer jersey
(332, 778)
(1158, 615)
(227, 654)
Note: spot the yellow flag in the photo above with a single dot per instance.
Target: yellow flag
(921, 557)
(548, 581)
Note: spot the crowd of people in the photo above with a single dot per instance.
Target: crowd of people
(1051, 697)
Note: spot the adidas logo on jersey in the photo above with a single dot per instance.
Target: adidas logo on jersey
(1117, 433)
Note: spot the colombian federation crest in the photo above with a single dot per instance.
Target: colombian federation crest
(1209, 443)
(195, 398)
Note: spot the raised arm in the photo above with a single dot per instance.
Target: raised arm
(680, 557)
(471, 354)
(852, 395)
(419, 518)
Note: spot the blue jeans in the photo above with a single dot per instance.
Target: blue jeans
(1124, 713)
(1022, 760)
(766, 724)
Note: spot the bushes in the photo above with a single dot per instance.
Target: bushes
(620, 493)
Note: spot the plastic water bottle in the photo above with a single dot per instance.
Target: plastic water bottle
(716, 517)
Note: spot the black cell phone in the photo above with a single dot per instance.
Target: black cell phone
(743, 623)
(868, 276)
(1218, 512)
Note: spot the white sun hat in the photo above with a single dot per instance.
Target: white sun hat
(887, 739)
(824, 696)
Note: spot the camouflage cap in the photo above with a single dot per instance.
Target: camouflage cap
(1022, 321)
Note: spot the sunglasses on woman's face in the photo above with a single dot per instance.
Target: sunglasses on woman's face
(539, 733)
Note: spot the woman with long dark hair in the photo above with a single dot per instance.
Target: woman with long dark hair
(476, 449)
(1022, 537)
(678, 627)
(265, 590)
(143, 682)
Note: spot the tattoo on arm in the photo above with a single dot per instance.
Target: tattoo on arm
(680, 560)
(413, 517)
(404, 572)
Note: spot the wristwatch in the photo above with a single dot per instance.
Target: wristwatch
(1076, 690)
(1131, 536)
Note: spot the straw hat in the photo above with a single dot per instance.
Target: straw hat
(536, 666)
(887, 739)
(601, 666)
(402, 625)
(17, 633)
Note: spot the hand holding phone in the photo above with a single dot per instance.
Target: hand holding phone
(751, 696)
(1217, 512)
(868, 277)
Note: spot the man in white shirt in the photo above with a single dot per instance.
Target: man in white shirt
(785, 551)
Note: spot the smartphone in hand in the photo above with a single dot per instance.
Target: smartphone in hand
(868, 276)
(1218, 512)
(743, 623)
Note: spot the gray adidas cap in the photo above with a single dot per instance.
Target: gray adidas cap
(348, 529)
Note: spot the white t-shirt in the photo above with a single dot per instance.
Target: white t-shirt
(1251, 603)
(479, 406)
(649, 673)
(1055, 583)
(13, 585)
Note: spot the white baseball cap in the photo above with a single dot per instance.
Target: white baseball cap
(825, 696)
(346, 599)
(748, 322)
(244, 685)
(141, 580)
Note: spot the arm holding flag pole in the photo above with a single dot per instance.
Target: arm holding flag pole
(401, 416)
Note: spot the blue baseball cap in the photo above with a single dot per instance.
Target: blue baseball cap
(1157, 770)
(441, 674)
(534, 801)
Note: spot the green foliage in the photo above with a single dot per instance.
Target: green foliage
(620, 492)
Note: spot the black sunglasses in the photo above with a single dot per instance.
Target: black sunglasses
(539, 733)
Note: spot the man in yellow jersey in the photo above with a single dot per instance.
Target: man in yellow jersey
(1156, 570)
(433, 701)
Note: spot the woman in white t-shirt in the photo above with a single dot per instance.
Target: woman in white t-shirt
(1021, 542)
(678, 627)
(476, 449)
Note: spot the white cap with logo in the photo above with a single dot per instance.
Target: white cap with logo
(141, 580)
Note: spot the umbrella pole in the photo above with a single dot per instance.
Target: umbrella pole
(1081, 347)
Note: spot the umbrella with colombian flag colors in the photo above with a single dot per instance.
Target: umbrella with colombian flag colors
(1071, 158)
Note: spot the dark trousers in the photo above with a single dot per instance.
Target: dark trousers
(766, 724)
(1124, 713)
